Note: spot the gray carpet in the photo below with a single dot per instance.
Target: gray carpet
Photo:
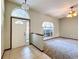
(61, 48)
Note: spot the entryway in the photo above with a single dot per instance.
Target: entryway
(20, 32)
(19, 28)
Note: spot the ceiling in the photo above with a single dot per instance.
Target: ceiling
(55, 8)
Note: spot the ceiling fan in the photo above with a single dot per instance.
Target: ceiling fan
(72, 12)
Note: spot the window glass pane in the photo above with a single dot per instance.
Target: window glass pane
(47, 28)
(20, 13)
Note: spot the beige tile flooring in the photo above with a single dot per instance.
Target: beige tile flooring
(26, 52)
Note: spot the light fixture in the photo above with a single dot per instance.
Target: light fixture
(25, 6)
(72, 12)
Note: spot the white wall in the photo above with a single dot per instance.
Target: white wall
(69, 27)
(37, 19)
(2, 26)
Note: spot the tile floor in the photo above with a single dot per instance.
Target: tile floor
(26, 52)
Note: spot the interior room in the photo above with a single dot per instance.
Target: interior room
(39, 29)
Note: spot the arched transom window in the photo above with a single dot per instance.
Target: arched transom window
(20, 13)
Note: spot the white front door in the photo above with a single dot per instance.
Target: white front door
(19, 32)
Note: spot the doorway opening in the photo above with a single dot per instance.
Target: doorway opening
(19, 28)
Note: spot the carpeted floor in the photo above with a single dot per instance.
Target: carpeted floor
(61, 48)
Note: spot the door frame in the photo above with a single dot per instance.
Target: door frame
(11, 28)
